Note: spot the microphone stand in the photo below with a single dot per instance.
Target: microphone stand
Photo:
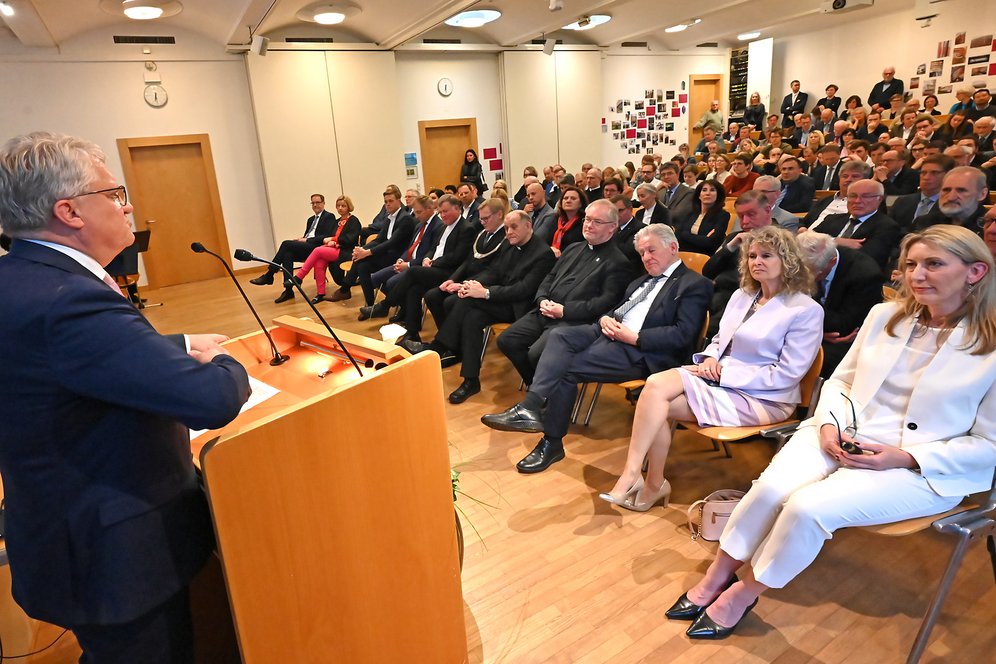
(245, 255)
(278, 358)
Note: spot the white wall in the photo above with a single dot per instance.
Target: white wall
(628, 76)
(476, 94)
(853, 56)
(530, 111)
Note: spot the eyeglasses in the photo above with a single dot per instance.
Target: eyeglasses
(118, 194)
(851, 430)
(984, 222)
(863, 197)
(592, 220)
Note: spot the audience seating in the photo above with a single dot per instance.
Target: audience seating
(693, 261)
(823, 193)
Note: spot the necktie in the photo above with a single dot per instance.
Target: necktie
(637, 298)
(781, 196)
(418, 239)
(109, 280)
(924, 207)
(821, 291)
(829, 177)
(852, 224)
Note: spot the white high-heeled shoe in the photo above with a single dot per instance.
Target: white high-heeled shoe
(621, 502)
(662, 496)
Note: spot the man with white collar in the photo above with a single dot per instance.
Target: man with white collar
(850, 172)
(864, 227)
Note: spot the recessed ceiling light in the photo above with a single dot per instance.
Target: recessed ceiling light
(6, 9)
(324, 13)
(142, 10)
(588, 22)
(746, 36)
(327, 16)
(474, 18)
(683, 26)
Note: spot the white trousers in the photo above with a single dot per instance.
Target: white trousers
(804, 496)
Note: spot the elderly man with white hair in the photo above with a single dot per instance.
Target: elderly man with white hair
(864, 227)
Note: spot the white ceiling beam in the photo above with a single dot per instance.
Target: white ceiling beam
(27, 25)
(558, 20)
(433, 17)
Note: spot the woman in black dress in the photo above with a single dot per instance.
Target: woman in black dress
(472, 172)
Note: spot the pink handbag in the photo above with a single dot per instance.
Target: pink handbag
(707, 517)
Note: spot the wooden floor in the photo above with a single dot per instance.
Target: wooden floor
(553, 574)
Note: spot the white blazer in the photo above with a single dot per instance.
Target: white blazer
(772, 350)
(950, 425)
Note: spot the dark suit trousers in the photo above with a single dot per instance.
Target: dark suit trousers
(438, 304)
(573, 355)
(463, 331)
(363, 271)
(164, 635)
(289, 252)
(524, 341)
(384, 278)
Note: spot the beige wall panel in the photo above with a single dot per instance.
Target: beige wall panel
(579, 113)
(530, 112)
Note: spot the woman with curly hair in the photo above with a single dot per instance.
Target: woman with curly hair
(749, 375)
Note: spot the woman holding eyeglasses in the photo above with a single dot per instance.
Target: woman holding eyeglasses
(905, 427)
(768, 337)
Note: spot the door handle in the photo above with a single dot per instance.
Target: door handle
(150, 221)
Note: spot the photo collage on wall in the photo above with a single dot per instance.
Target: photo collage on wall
(957, 61)
(646, 124)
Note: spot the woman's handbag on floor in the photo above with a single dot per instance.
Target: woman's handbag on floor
(707, 517)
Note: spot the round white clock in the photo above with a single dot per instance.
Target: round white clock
(445, 87)
(155, 96)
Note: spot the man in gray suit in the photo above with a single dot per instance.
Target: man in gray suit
(544, 217)
(674, 194)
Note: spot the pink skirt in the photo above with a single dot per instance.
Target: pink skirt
(713, 405)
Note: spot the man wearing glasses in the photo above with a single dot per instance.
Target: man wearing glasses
(106, 521)
(864, 227)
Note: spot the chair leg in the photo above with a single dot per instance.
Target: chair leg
(484, 346)
(991, 545)
(726, 449)
(594, 400)
(582, 389)
(934, 610)
(422, 321)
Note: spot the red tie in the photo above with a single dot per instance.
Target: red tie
(411, 249)
(109, 280)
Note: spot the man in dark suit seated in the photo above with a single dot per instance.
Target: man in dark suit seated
(106, 522)
(962, 201)
(320, 225)
(499, 294)
(628, 228)
(447, 251)
(849, 173)
(896, 177)
(589, 277)
(675, 195)
(907, 208)
(754, 211)
(654, 327)
(484, 250)
(826, 176)
(544, 217)
(848, 285)
(380, 252)
(797, 187)
(650, 211)
(467, 193)
(865, 227)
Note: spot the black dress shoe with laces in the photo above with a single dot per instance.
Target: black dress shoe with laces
(364, 313)
(265, 279)
(706, 628)
(398, 317)
(414, 347)
(318, 298)
(544, 455)
(286, 295)
(515, 418)
(290, 281)
(379, 310)
(468, 388)
(685, 609)
(448, 359)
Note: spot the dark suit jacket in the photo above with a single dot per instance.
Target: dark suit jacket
(681, 203)
(880, 97)
(389, 249)
(903, 210)
(433, 228)
(819, 176)
(789, 109)
(326, 227)
(349, 236)
(710, 235)
(815, 211)
(799, 194)
(855, 289)
(722, 269)
(586, 288)
(672, 325)
(515, 275)
(488, 252)
(624, 238)
(105, 517)
(661, 215)
(906, 182)
(456, 249)
(880, 233)
(936, 217)
(593, 194)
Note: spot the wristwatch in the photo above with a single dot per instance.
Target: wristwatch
(487, 293)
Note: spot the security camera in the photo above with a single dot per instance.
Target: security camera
(556, 5)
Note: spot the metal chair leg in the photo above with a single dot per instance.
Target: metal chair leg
(582, 389)
(991, 545)
(726, 449)
(484, 346)
(594, 400)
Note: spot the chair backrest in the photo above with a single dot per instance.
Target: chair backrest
(889, 293)
(809, 381)
(693, 261)
(700, 344)
(823, 193)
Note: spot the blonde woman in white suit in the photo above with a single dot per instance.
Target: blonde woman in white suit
(920, 377)
(768, 337)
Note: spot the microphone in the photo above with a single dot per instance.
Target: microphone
(278, 358)
(246, 255)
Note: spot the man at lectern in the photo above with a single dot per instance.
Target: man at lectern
(106, 521)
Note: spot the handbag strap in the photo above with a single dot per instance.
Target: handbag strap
(695, 517)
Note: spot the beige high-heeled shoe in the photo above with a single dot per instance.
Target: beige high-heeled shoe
(621, 502)
(662, 496)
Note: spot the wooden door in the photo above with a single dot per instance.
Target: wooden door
(171, 182)
(443, 144)
(703, 88)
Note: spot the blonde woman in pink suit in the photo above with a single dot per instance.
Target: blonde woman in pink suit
(915, 393)
(768, 337)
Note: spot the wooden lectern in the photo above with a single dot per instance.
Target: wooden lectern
(332, 505)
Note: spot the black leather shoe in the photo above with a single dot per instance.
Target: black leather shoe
(544, 455)
(468, 388)
(290, 281)
(286, 295)
(414, 347)
(379, 310)
(685, 609)
(397, 318)
(339, 296)
(265, 279)
(705, 628)
(448, 359)
(318, 298)
(364, 313)
(515, 418)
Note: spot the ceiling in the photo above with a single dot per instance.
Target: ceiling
(392, 24)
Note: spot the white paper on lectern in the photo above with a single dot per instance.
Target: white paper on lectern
(260, 393)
